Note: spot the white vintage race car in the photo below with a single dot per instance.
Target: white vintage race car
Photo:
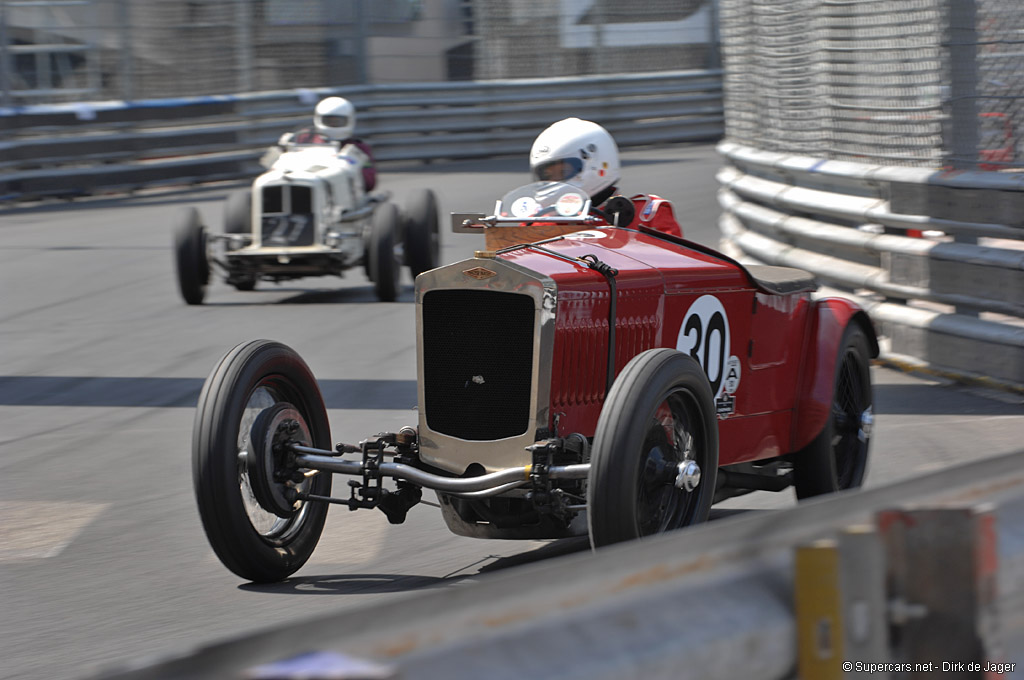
(309, 215)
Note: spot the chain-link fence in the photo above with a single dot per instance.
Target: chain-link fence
(999, 74)
(75, 50)
(78, 50)
(929, 83)
(536, 38)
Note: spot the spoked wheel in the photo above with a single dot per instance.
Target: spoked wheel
(190, 258)
(386, 253)
(654, 462)
(422, 238)
(260, 397)
(837, 458)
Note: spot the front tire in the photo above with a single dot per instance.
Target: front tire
(385, 255)
(190, 257)
(422, 237)
(658, 419)
(837, 458)
(254, 543)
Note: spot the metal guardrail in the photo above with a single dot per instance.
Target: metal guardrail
(927, 571)
(88, 148)
(952, 299)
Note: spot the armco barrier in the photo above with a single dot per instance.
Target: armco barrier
(928, 571)
(86, 148)
(954, 300)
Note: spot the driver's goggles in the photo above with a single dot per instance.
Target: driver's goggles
(334, 121)
(559, 170)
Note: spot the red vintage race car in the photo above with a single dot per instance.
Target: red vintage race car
(611, 379)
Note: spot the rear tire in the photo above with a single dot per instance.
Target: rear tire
(250, 379)
(422, 237)
(837, 458)
(658, 415)
(191, 261)
(385, 256)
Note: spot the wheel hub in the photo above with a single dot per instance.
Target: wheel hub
(867, 423)
(270, 464)
(687, 475)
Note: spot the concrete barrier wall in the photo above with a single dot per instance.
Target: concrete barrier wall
(926, 571)
(936, 258)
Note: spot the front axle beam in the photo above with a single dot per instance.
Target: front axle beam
(502, 480)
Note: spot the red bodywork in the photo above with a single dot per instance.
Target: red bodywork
(772, 382)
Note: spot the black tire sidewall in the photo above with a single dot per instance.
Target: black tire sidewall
(191, 263)
(814, 469)
(422, 242)
(614, 477)
(384, 270)
(215, 462)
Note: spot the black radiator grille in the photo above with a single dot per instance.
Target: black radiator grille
(477, 363)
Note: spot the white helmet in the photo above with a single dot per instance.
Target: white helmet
(576, 152)
(335, 118)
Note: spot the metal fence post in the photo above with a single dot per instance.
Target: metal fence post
(963, 77)
(963, 81)
(5, 62)
(243, 42)
(127, 56)
(362, 27)
(600, 26)
(714, 60)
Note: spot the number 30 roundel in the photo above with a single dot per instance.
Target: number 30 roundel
(704, 335)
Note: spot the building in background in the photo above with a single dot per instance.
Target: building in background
(543, 38)
(76, 50)
(135, 49)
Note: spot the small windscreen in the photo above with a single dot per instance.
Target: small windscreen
(541, 199)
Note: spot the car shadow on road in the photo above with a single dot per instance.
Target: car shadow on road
(944, 399)
(568, 546)
(557, 548)
(347, 295)
(305, 296)
(351, 584)
(156, 196)
(368, 584)
(373, 584)
(157, 392)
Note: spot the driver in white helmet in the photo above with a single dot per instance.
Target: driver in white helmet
(584, 154)
(334, 120)
(580, 153)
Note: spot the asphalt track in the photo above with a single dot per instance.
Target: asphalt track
(102, 556)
